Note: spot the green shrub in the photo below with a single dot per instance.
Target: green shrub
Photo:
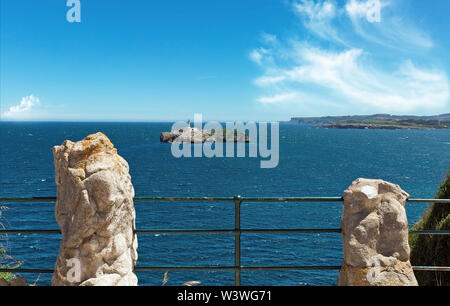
(433, 250)
(6, 261)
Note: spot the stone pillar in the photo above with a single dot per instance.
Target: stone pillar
(95, 212)
(375, 236)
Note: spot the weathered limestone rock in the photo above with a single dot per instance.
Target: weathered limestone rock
(375, 236)
(96, 214)
(19, 282)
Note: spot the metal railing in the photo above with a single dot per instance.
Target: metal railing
(237, 231)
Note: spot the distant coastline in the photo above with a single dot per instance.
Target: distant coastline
(378, 121)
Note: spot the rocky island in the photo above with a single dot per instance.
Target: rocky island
(193, 135)
(380, 121)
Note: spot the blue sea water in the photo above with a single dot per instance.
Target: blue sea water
(313, 162)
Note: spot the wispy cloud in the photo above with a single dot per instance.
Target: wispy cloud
(318, 17)
(268, 38)
(347, 76)
(391, 31)
(257, 55)
(361, 9)
(23, 109)
(373, 20)
(262, 55)
(280, 98)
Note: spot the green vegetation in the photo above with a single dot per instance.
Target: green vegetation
(433, 250)
(12, 264)
(6, 261)
(394, 124)
(379, 121)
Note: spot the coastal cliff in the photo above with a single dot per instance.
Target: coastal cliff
(380, 121)
(388, 124)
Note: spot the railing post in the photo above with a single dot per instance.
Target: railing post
(237, 240)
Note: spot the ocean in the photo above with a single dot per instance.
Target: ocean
(313, 163)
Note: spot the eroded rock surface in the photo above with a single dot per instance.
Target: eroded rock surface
(375, 236)
(19, 282)
(193, 135)
(95, 212)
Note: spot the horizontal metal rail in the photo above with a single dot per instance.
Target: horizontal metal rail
(37, 271)
(218, 231)
(225, 199)
(228, 268)
(430, 232)
(431, 268)
(242, 268)
(243, 231)
(237, 231)
(193, 268)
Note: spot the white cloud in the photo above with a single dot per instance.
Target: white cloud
(268, 38)
(23, 109)
(261, 56)
(373, 20)
(347, 75)
(318, 17)
(361, 9)
(280, 98)
(256, 56)
(316, 11)
(271, 79)
(347, 78)
(391, 30)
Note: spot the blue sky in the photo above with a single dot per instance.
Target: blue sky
(227, 59)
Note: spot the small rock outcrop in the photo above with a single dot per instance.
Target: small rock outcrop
(375, 236)
(19, 282)
(194, 135)
(95, 212)
(15, 282)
